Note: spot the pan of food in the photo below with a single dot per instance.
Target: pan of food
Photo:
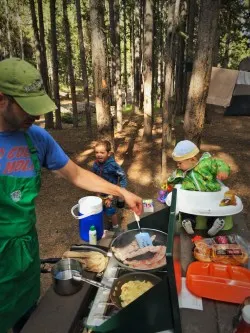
(130, 256)
(130, 286)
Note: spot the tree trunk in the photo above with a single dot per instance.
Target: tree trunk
(49, 122)
(200, 79)
(100, 71)
(192, 13)
(169, 93)
(141, 91)
(58, 120)
(19, 22)
(83, 69)
(8, 28)
(36, 33)
(137, 59)
(70, 64)
(117, 52)
(147, 72)
(112, 49)
(125, 76)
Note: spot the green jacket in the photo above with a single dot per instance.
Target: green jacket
(202, 177)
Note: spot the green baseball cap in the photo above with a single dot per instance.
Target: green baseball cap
(23, 82)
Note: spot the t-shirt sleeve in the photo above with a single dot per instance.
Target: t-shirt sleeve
(50, 154)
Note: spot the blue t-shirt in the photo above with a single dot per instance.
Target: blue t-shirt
(15, 158)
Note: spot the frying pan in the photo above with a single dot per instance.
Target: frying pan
(127, 237)
(138, 276)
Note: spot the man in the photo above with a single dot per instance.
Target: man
(24, 149)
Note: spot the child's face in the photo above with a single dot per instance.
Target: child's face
(186, 164)
(101, 154)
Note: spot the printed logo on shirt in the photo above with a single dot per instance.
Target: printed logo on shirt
(1, 152)
(17, 159)
(16, 195)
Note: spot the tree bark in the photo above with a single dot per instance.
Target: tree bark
(100, 71)
(147, 72)
(137, 59)
(200, 79)
(49, 122)
(19, 22)
(8, 28)
(168, 112)
(112, 49)
(70, 64)
(117, 52)
(125, 75)
(83, 68)
(36, 32)
(54, 54)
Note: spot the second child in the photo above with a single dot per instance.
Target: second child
(106, 167)
(198, 173)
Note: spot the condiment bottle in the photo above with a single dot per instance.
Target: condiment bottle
(244, 325)
(92, 235)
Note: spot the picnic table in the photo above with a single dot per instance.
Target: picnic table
(64, 314)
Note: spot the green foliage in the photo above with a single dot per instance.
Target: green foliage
(67, 118)
(234, 25)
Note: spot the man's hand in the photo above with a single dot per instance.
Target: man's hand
(133, 201)
(222, 175)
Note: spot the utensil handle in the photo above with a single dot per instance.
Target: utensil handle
(137, 218)
(94, 283)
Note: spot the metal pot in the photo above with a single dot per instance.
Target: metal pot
(62, 274)
(68, 279)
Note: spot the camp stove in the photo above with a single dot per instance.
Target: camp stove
(98, 313)
(156, 310)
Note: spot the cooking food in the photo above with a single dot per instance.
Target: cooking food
(92, 261)
(149, 257)
(132, 290)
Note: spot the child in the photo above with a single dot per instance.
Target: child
(198, 174)
(106, 167)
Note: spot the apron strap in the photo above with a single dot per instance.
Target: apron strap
(33, 153)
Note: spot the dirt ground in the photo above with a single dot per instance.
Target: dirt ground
(225, 137)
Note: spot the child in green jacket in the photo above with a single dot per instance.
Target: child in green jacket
(198, 174)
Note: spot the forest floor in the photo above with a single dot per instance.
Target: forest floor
(224, 137)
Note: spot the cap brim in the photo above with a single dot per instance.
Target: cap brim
(36, 106)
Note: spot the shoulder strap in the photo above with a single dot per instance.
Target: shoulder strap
(33, 153)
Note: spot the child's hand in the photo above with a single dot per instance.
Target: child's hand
(222, 175)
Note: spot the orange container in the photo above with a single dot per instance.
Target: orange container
(219, 282)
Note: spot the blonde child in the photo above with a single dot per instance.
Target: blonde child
(198, 174)
(106, 167)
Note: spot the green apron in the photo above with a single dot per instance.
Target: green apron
(19, 248)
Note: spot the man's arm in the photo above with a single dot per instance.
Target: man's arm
(89, 181)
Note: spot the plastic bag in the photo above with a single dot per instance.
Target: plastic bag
(226, 250)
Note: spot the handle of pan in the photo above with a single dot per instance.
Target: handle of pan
(92, 282)
(49, 260)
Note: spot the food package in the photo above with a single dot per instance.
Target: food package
(221, 250)
(229, 199)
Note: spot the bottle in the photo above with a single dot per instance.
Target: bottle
(244, 325)
(92, 235)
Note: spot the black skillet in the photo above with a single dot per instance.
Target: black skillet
(127, 237)
(138, 276)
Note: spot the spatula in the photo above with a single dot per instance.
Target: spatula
(143, 238)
